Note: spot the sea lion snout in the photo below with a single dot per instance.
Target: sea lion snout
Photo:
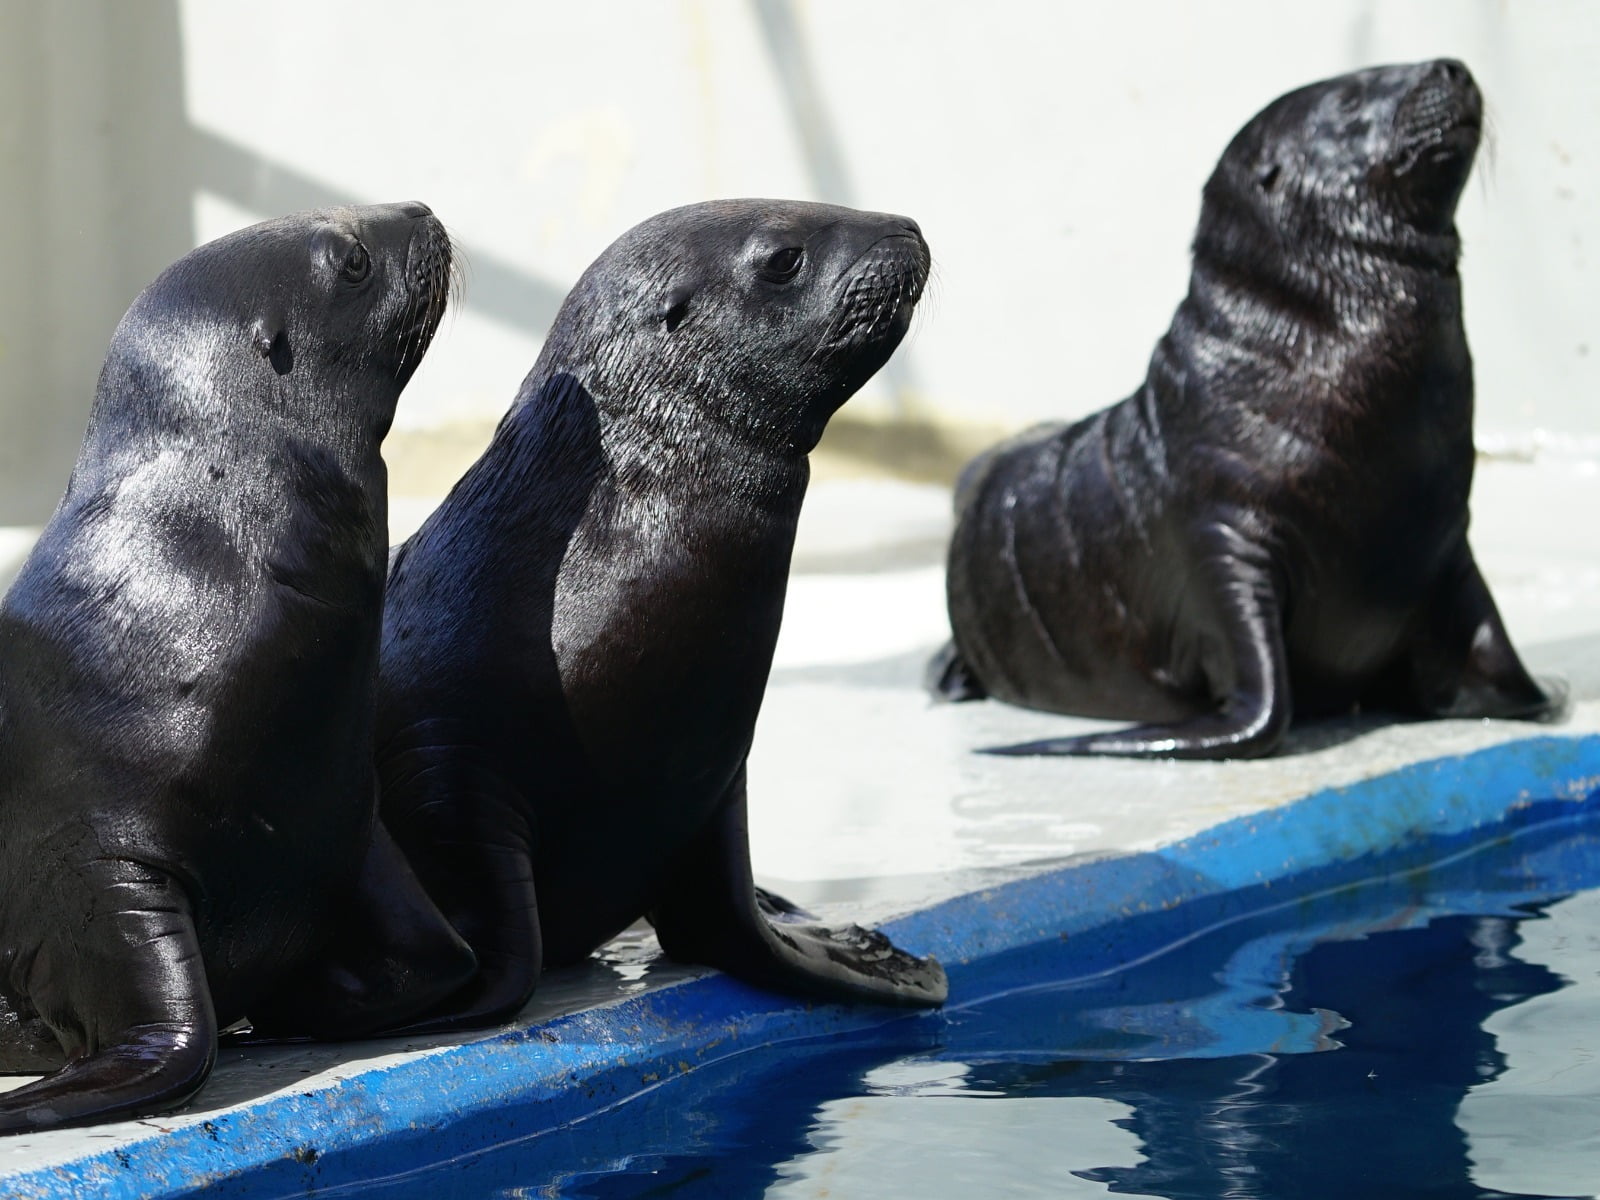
(898, 226)
(429, 259)
(901, 260)
(887, 278)
(1444, 97)
(891, 228)
(1435, 131)
(1453, 72)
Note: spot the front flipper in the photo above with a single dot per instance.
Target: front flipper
(711, 912)
(122, 986)
(1462, 661)
(1250, 672)
(468, 836)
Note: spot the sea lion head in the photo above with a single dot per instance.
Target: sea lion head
(336, 304)
(762, 316)
(1376, 158)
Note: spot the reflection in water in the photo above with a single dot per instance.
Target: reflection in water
(1319, 1049)
(1209, 1052)
(1535, 1126)
(1374, 1119)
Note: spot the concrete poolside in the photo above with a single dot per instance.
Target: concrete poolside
(866, 800)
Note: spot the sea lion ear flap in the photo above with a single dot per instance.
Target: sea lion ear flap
(673, 308)
(272, 341)
(265, 333)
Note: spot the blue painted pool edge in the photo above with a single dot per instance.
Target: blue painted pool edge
(1438, 798)
(571, 1067)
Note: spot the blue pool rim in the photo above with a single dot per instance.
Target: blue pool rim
(512, 1085)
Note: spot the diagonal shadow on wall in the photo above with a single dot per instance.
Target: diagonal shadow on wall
(498, 288)
(94, 202)
(99, 166)
(820, 145)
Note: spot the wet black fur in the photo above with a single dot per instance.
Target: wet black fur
(188, 667)
(1275, 523)
(576, 644)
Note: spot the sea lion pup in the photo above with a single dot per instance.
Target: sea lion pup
(188, 660)
(576, 643)
(1277, 520)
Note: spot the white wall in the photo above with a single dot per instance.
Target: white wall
(93, 204)
(1053, 153)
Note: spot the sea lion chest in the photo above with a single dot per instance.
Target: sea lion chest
(664, 627)
(184, 687)
(1363, 480)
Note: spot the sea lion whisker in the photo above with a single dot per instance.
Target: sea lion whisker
(460, 266)
(1488, 145)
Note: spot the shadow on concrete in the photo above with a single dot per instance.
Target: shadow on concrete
(1574, 661)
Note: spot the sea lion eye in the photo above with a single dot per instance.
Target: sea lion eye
(784, 265)
(356, 264)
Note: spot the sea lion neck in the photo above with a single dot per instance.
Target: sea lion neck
(175, 420)
(743, 488)
(645, 435)
(1281, 299)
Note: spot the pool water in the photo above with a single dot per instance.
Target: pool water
(1427, 1034)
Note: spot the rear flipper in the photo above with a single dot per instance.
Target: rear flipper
(1462, 663)
(1252, 674)
(711, 912)
(389, 957)
(948, 677)
(121, 985)
(467, 835)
